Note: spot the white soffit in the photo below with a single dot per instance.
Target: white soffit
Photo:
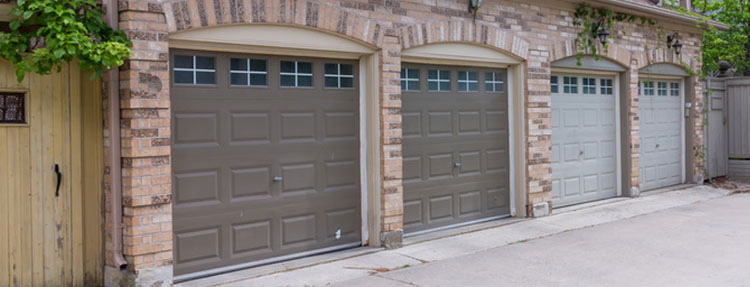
(271, 39)
(664, 69)
(458, 54)
(588, 63)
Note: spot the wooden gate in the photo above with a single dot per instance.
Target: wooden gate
(716, 131)
(738, 119)
(50, 226)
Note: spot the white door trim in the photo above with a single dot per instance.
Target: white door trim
(618, 139)
(682, 130)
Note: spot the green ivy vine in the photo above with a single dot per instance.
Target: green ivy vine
(586, 16)
(47, 33)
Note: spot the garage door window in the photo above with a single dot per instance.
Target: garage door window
(248, 72)
(554, 88)
(606, 86)
(589, 86)
(648, 88)
(468, 81)
(439, 80)
(570, 85)
(296, 74)
(194, 70)
(339, 76)
(662, 88)
(494, 82)
(409, 80)
(674, 89)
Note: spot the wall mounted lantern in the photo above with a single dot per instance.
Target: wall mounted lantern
(600, 30)
(673, 42)
(474, 7)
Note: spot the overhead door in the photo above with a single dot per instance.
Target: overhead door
(265, 158)
(584, 161)
(455, 145)
(660, 114)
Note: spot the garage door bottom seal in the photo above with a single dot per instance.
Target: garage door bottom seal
(457, 225)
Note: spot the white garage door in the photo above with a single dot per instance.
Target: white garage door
(584, 139)
(660, 109)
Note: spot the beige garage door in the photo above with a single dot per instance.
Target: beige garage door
(455, 147)
(265, 158)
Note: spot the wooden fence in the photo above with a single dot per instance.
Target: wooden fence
(738, 126)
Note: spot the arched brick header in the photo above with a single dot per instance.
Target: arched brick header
(664, 55)
(191, 14)
(569, 48)
(461, 31)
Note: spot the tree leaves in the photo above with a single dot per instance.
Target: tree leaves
(70, 29)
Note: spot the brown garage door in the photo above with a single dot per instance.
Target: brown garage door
(455, 152)
(265, 158)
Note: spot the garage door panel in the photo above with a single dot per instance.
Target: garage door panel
(229, 143)
(251, 183)
(455, 151)
(197, 188)
(440, 166)
(469, 122)
(441, 207)
(470, 203)
(583, 143)
(199, 246)
(440, 123)
(198, 129)
(250, 128)
(470, 163)
(661, 138)
(251, 238)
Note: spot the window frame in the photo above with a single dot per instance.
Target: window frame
(194, 70)
(467, 81)
(588, 89)
(572, 87)
(609, 87)
(407, 79)
(494, 82)
(338, 76)
(297, 74)
(439, 80)
(248, 72)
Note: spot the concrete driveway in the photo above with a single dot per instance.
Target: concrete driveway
(701, 244)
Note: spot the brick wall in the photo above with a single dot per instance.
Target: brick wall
(537, 33)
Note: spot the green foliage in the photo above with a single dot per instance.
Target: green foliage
(48, 33)
(587, 16)
(732, 45)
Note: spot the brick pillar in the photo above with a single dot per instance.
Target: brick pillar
(392, 202)
(634, 148)
(145, 140)
(699, 153)
(538, 116)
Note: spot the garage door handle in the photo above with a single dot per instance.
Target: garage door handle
(457, 164)
(277, 178)
(657, 145)
(59, 179)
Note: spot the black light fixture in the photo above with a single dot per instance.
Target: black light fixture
(600, 30)
(474, 7)
(673, 42)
